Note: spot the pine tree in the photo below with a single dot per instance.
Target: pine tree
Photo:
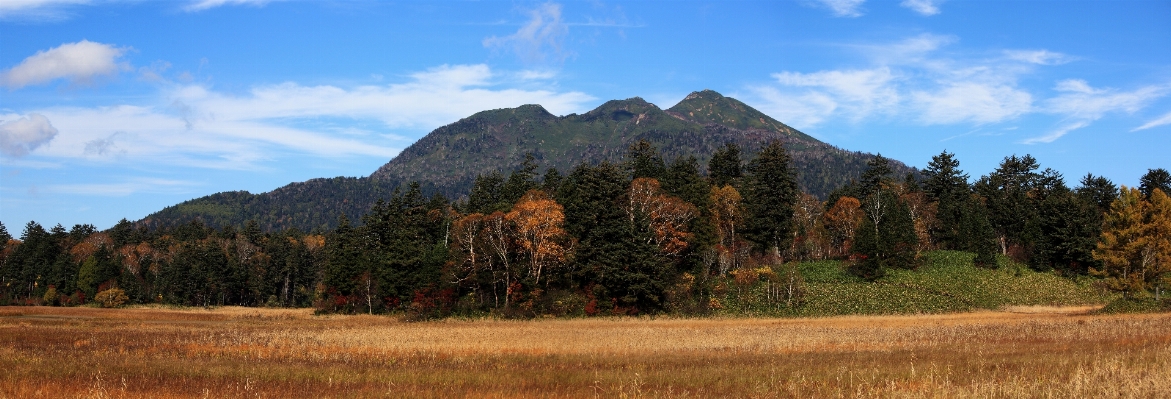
(1011, 210)
(643, 160)
(770, 191)
(725, 166)
(876, 176)
(947, 186)
(1155, 179)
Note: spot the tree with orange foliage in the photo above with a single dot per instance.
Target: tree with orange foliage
(537, 221)
(842, 221)
(668, 216)
(1135, 247)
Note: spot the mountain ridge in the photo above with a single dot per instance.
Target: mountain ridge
(448, 159)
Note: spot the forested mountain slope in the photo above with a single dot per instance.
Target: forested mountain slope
(448, 159)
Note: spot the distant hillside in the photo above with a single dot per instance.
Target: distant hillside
(449, 158)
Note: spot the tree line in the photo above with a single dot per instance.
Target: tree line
(641, 236)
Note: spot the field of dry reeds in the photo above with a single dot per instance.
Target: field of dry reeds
(245, 352)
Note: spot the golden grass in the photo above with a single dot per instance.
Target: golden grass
(247, 352)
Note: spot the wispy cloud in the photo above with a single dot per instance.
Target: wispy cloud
(195, 125)
(122, 189)
(909, 78)
(79, 63)
(1081, 105)
(843, 8)
(1160, 121)
(200, 5)
(540, 39)
(37, 9)
(1039, 57)
(923, 7)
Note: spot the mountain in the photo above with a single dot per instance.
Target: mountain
(448, 159)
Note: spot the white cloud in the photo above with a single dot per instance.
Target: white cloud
(79, 62)
(910, 79)
(43, 9)
(21, 136)
(971, 102)
(123, 189)
(538, 40)
(1056, 134)
(1160, 121)
(857, 92)
(1081, 105)
(200, 5)
(1081, 101)
(1039, 57)
(924, 7)
(843, 8)
(197, 126)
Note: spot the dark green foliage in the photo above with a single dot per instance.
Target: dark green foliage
(769, 194)
(975, 232)
(947, 186)
(487, 194)
(684, 181)
(886, 237)
(620, 265)
(725, 167)
(519, 182)
(4, 237)
(877, 175)
(643, 160)
(551, 183)
(1099, 191)
(588, 193)
(1069, 227)
(1155, 179)
(1010, 209)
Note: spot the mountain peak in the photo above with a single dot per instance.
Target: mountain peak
(708, 106)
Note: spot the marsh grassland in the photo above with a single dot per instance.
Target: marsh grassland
(244, 352)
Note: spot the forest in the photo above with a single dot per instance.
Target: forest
(642, 236)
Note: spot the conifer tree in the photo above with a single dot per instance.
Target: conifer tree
(770, 191)
(725, 167)
(1155, 179)
(643, 160)
(947, 186)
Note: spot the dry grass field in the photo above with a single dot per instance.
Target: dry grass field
(243, 352)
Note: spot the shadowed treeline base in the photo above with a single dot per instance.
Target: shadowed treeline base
(245, 352)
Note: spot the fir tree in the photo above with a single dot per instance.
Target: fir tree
(643, 160)
(725, 167)
(947, 186)
(1155, 179)
(770, 190)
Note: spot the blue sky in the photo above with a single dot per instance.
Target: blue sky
(116, 109)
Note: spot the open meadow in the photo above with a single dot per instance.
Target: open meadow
(246, 352)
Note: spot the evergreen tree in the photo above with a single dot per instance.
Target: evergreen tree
(1155, 179)
(1066, 223)
(4, 237)
(1011, 210)
(947, 186)
(643, 160)
(886, 237)
(976, 234)
(519, 182)
(487, 194)
(618, 263)
(1099, 191)
(770, 191)
(876, 176)
(552, 181)
(588, 193)
(725, 167)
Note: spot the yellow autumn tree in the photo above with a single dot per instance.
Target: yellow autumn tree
(538, 221)
(1157, 254)
(728, 217)
(1135, 246)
